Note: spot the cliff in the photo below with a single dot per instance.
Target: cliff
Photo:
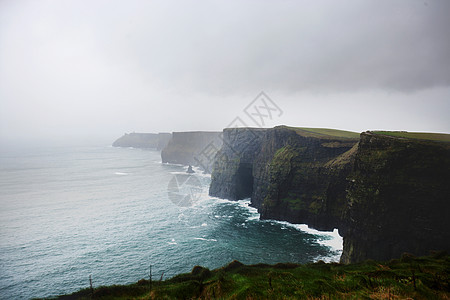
(197, 148)
(399, 196)
(232, 177)
(386, 192)
(143, 140)
(163, 140)
(291, 174)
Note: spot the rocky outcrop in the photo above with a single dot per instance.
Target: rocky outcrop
(196, 148)
(137, 140)
(387, 195)
(163, 140)
(143, 140)
(290, 174)
(399, 198)
(232, 177)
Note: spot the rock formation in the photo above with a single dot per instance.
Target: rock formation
(163, 140)
(398, 199)
(143, 140)
(196, 148)
(189, 170)
(387, 195)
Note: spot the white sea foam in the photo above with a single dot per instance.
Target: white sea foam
(172, 164)
(325, 238)
(203, 239)
(121, 173)
(180, 173)
(329, 239)
(199, 172)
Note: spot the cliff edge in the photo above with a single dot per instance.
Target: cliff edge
(387, 193)
(143, 140)
(399, 196)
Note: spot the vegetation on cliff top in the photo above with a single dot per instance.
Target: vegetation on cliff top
(441, 137)
(408, 277)
(325, 133)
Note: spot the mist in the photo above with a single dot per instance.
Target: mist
(91, 70)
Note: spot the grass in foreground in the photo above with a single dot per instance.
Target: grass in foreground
(408, 277)
(441, 137)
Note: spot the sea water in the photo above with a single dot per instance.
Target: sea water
(67, 213)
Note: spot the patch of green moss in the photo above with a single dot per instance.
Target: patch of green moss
(343, 159)
(295, 204)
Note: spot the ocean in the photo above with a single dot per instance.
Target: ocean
(67, 213)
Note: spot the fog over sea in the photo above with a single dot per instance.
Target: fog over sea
(70, 212)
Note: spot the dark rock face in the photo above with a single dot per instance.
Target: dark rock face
(196, 148)
(299, 183)
(386, 195)
(232, 177)
(137, 140)
(399, 199)
(287, 172)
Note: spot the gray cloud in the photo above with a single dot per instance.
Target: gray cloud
(299, 46)
(72, 67)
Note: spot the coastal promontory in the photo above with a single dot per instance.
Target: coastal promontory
(386, 192)
(143, 140)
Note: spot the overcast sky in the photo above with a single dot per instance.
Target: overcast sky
(87, 69)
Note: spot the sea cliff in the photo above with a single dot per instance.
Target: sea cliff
(143, 140)
(196, 148)
(398, 199)
(386, 194)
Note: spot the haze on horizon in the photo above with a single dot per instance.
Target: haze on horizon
(88, 69)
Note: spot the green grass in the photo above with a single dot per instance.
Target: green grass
(344, 158)
(441, 137)
(325, 133)
(408, 277)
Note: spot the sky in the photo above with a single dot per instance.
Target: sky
(86, 70)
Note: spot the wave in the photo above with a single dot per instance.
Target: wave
(172, 242)
(330, 239)
(203, 239)
(121, 173)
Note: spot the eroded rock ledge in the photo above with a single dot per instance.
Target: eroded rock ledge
(386, 194)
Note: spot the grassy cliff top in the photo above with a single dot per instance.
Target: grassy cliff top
(326, 133)
(440, 137)
(408, 277)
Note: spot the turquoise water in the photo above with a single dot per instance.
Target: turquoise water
(68, 213)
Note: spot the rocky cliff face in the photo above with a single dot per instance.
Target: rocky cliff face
(296, 179)
(399, 198)
(290, 174)
(143, 140)
(163, 140)
(137, 140)
(232, 177)
(196, 148)
(387, 195)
